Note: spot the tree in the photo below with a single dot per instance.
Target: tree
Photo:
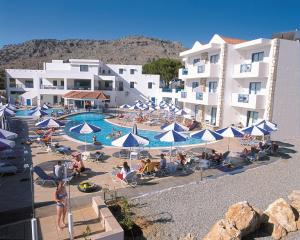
(2, 79)
(167, 68)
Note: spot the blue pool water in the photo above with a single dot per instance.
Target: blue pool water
(107, 128)
(22, 113)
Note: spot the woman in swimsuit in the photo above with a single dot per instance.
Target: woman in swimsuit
(61, 204)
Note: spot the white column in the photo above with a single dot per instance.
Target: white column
(65, 84)
(92, 84)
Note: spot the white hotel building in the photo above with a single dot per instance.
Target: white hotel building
(230, 81)
(122, 83)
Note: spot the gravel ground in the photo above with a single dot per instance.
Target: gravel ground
(195, 207)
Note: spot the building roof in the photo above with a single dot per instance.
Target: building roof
(94, 95)
(232, 40)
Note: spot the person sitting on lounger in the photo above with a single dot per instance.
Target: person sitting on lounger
(181, 159)
(149, 167)
(163, 162)
(78, 165)
(124, 171)
(215, 156)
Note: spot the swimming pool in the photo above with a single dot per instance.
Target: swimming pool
(23, 113)
(107, 128)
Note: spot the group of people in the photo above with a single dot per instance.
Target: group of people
(268, 146)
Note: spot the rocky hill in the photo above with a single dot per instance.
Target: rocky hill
(129, 50)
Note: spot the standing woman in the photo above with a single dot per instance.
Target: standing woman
(61, 204)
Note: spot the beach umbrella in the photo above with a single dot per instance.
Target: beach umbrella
(6, 144)
(45, 106)
(181, 112)
(255, 131)
(85, 128)
(135, 107)
(33, 109)
(125, 106)
(230, 132)
(8, 112)
(11, 107)
(7, 134)
(207, 136)
(130, 140)
(172, 137)
(162, 102)
(49, 123)
(175, 126)
(266, 125)
(38, 113)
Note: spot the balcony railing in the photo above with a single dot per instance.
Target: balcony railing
(243, 98)
(166, 89)
(105, 88)
(79, 88)
(201, 69)
(199, 96)
(51, 87)
(245, 68)
(185, 71)
(183, 94)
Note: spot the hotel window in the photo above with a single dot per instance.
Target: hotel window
(214, 58)
(121, 70)
(84, 68)
(28, 83)
(131, 71)
(121, 88)
(109, 72)
(131, 84)
(106, 84)
(62, 83)
(196, 60)
(254, 87)
(54, 82)
(257, 57)
(195, 85)
(212, 87)
(103, 71)
(149, 85)
(252, 117)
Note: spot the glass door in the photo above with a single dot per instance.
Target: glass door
(213, 116)
(252, 117)
(254, 87)
(212, 87)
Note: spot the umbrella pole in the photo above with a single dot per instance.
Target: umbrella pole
(228, 144)
(85, 143)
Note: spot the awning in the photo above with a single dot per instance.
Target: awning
(85, 95)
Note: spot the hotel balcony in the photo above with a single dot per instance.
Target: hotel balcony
(250, 101)
(52, 87)
(251, 70)
(203, 98)
(208, 70)
(20, 87)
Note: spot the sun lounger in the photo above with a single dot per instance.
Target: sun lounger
(43, 177)
(226, 159)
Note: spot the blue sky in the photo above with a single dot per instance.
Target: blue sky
(185, 20)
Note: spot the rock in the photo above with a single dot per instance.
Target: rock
(223, 230)
(243, 217)
(280, 218)
(294, 198)
(189, 236)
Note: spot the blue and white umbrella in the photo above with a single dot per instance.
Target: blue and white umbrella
(85, 128)
(266, 125)
(6, 144)
(255, 131)
(33, 109)
(7, 134)
(50, 123)
(181, 113)
(206, 135)
(45, 106)
(130, 140)
(135, 107)
(176, 127)
(230, 132)
(11, 107)
(125, 106)
(38, 113)
(172, 137)
(8, 112)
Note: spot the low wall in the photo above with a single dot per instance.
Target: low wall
(113, 230)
